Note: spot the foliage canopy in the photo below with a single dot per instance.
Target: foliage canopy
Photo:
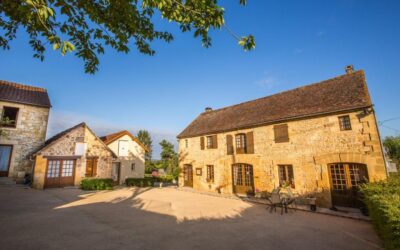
(86, 27)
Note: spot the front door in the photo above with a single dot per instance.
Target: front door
(5, 159)
(116, 172)
(242, 175)
(188, 175)
(60, 173)
(345, 179)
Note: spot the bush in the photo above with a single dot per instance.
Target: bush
(97, 184)
(383, 201)
(147, 181)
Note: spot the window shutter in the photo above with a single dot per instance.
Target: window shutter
(202, 143)
(250, 142)
(94, 167)
(215, 141)
(229, 144)
(281, 133)
(88, 168)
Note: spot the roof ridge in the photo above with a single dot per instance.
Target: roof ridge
(283, 92)
(23, 86)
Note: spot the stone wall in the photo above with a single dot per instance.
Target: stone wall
(313, 144)
(28, 136)
(65, 146)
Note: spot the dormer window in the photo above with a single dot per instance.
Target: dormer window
(9, 117)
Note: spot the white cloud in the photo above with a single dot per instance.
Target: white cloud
(321, 33)
(61, 120)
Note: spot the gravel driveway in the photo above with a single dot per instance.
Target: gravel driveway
(140, 218)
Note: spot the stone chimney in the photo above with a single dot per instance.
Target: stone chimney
(349, 69)
(208, 109)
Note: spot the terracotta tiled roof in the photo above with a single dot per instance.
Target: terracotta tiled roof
(342, 93)
(15, 92)
(107, 139)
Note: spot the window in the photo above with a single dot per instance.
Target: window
(281, 133)
(133, 166)
(210, 173)
(286, 175)
(344, 122)
(53, 170)
(209, 142)
(186, 143)
(91, 167)
(10, 116)
(67, 168)
(240, 143)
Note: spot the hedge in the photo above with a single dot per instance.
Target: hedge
(383, 201)
(147, 181)
(97, 184)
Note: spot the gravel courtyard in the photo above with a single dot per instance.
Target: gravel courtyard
(152, 218)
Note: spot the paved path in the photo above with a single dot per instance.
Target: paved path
(134, 218)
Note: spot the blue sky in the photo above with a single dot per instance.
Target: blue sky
(298, 42)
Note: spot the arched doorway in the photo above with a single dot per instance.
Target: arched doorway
(243, 181)
(345, 179)
(187, 175)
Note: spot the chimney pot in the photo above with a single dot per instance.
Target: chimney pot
(208, 109)
(349, 69)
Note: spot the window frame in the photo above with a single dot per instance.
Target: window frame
(241, 147)
(210, 173)
(344, 123)
(284, 176)
(209, 142)
(15, 121)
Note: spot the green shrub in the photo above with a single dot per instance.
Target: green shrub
(97, 184)
(147, 181)
(383, 201)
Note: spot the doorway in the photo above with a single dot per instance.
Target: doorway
(243, 180)
(188, 175)
(345, 179)
(5, 159)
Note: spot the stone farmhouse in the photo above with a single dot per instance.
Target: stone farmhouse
(68, 157)
(26, 110)
(321, 140)
(130, 152)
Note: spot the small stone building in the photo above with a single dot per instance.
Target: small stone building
(130, 152)
(68, 157)
(26, 112)
(321, 140)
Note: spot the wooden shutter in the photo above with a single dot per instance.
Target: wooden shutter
(281, 133)
(229, 144)
(250, 143)
(94, 167)
(89, 168)
(215, 141)
(202, 143)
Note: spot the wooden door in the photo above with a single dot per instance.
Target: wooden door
(345, 179)
(188, 175)
(243, 180)
(60, 173)
(5, 159)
